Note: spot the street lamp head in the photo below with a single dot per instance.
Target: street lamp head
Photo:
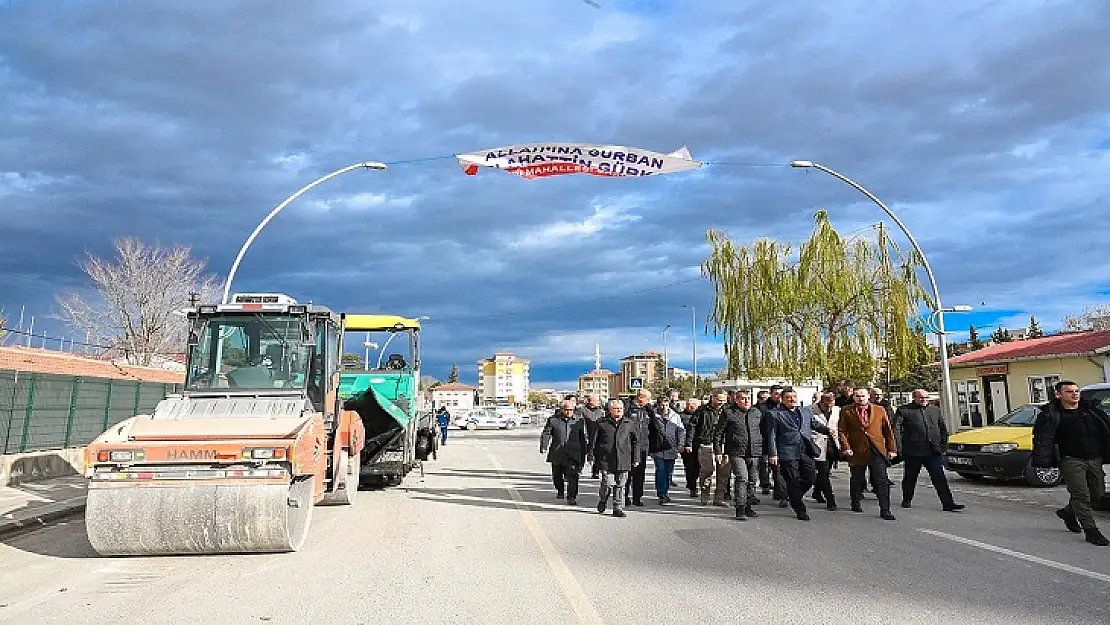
(374, 165)
(961, 308)
(802, 164)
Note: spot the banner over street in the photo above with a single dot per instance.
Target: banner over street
(543, 160)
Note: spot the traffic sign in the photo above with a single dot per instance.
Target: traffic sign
(635, 383)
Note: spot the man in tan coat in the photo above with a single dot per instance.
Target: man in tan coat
(867, 438)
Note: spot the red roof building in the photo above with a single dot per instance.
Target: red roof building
(35, 360)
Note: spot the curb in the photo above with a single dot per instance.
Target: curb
(16, 526)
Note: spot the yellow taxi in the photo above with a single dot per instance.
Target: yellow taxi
(1003, 450)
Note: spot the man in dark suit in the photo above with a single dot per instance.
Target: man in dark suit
(617, 451)
(788, 442)
(565, 442)
(922, 439)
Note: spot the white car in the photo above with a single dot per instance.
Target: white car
(488, 418)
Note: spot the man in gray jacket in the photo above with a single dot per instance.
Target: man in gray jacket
(922, 438)
(565, 434)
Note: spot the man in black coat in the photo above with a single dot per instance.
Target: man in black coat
(689, 455)
(565, 442)
(592, 411)
(640, 412)
(772, 474)
(616, 450)
(739, 436)
(1076, 437)
(922, 439)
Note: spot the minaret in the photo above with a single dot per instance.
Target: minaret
(597, 357)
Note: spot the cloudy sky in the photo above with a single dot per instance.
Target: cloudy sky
(985, 125)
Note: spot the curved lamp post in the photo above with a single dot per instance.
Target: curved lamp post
(243, 250)
(666, 360)
(950, 403)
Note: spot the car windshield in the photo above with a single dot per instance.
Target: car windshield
(1022, 417)
(239, 352)
(1098, 397)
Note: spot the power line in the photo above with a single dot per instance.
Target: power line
(570, 305)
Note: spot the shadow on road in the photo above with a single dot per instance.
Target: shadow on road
(73, 545)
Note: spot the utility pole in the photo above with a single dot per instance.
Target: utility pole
(666, 359)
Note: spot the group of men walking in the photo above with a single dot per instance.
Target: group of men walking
(729, 446)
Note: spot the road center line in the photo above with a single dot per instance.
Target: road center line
(1021, 556)
(572, 590)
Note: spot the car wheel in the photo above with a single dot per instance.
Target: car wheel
(510, 425)
(970, 476)
(472, 426)
(1042, 477)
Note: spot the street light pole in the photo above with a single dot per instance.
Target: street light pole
(243, 250)
(694, 343)
(666, 358)
(950, 402)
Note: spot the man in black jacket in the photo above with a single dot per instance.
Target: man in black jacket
(616, 450)
(1076, 437)
(565, 442)
(699, 437)
(640, 412)
(739, 437)
(922, 438)
(592, 411)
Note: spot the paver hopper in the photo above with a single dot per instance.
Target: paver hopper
(238, 461)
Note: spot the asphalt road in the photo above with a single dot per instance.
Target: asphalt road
(481, 539)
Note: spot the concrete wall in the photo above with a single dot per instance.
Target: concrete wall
(41, 465)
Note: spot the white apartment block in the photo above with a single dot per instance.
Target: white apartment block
(503, 379)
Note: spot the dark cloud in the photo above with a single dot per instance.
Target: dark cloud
(187, 123)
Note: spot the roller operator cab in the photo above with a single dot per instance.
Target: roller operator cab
(237, 462)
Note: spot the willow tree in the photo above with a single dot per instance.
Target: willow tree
(830, 308)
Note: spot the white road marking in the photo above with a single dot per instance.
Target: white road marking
(583, 608)
(1021, 556)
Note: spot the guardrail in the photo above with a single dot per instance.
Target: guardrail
(41, 411)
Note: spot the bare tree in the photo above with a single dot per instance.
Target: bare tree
(1092, 318)
(134, 309)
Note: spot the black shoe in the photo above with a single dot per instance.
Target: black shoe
(887, 516)
(956, 507)
(766, 490)
(1068, 517)
(693, 492)
(906, 504)
(638, 503)
(559, 495)
(803, 517)
(831, 507)
(776, 496)
(750, 512)
(857, 508)
(783, 503)
(741, 514)
(572, 501)
(619, 514)
(601, 507)
(1095, 537)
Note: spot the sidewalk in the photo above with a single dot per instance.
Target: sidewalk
(35, 503)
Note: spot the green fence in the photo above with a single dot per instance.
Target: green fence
(40, 411)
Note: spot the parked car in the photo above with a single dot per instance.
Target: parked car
(488, 418)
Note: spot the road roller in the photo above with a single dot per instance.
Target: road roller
(237, 461)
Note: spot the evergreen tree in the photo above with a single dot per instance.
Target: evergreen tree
(454, 375)
(1035, 330)
(1001, 335)
(973, 340)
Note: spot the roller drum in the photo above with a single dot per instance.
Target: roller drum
(197, 518)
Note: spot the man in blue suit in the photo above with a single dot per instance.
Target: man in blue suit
(788, 441)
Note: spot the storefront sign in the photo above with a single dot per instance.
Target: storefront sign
(992, 370)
